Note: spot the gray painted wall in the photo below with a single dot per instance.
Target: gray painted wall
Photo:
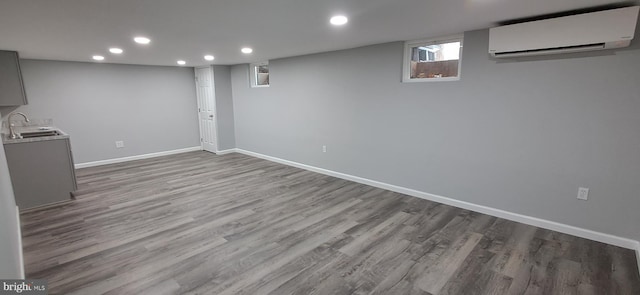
(9, 238)
(224, 107)
(151, 108)
(519, 136)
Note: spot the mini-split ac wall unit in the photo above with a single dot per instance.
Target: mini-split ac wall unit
(600, 30)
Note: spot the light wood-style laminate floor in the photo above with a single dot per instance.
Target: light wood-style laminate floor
(198, 223)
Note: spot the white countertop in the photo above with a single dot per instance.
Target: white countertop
(7, 140)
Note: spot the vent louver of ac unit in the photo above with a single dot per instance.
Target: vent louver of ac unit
(566, 49)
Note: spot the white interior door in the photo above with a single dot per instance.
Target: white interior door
(206, 109)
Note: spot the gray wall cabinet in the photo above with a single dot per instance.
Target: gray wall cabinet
(42, 172)
(11, 86)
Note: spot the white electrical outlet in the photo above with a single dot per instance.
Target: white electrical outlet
(583, 193)
(324, 148)
(119, 144)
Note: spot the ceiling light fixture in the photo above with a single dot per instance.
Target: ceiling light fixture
(182, 62)
(339, 20)
(115, 50)
(208, 57)
(98, 57)
(142, 40)
(246, 50)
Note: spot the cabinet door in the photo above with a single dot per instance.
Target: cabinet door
(11, 86)
(41, 172)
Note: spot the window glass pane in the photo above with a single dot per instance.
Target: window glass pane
(262, 75)
(435, 60)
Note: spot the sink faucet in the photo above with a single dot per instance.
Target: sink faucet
(12, 133)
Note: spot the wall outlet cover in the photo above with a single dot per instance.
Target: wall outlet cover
(583, 193)
(119, 144)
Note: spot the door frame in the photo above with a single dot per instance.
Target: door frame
(215, 107)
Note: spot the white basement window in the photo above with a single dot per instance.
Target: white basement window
(432, 60)
(260, 74)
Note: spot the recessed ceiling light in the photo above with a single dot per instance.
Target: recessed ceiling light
(339, 20)
(115, 50)
(246, 50)
(142, 40)
(182, 62)
(98, 57)
(208, 57)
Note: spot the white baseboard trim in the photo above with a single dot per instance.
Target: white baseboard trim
(227, 151)
(534, 221)
(138, 157)
(20, 252)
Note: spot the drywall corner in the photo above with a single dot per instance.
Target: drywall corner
(638, 255)
(11, 262)
(224, 105)
(20, 249)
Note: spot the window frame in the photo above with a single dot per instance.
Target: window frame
(406, 64)
(253, 75)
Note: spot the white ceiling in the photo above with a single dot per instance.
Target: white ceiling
(74, 30)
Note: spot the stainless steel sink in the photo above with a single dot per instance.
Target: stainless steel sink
(42, 133)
